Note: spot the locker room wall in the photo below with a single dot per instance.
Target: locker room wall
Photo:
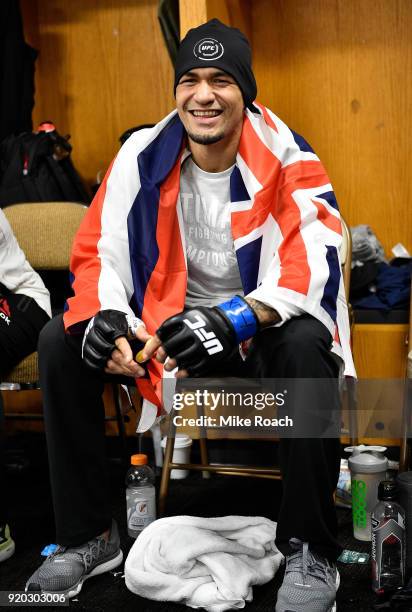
(102, 68)
(336, 71)
(339, 73)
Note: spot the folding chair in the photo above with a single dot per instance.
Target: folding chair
(247, 470)
(45, 232)
(404, 460)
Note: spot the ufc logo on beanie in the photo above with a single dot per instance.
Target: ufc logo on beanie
(208, 49)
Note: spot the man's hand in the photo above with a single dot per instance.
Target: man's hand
(122, 360)
(236, 318)
(154, 348)
(198, 339)
(105, 345)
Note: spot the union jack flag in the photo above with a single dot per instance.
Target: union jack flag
(129, 253)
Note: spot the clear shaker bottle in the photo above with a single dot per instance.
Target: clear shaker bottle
(368, 466)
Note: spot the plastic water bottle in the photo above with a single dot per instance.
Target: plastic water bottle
(140, 495)
(388, 541)
(368, 467)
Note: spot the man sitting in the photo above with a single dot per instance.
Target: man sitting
(220, 211)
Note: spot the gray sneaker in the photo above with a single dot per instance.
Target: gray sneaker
(65, 570)
(7, 545)
(310, 582)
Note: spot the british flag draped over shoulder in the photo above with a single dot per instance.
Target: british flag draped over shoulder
(129, 253)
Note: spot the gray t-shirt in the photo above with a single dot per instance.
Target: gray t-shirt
(213, 271)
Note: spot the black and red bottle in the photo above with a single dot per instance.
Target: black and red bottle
(388, 541)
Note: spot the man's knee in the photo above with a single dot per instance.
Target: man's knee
(306, 338)
(55, 348)
(299, 348)
(51, 336)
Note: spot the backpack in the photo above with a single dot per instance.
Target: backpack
(36, 167)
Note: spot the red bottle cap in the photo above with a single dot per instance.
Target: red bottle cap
(46, 126)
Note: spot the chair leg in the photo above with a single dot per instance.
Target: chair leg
(406, 414)
(120, 424)
(352, 410)
(204, 456)
(165, 479)
(157, 445)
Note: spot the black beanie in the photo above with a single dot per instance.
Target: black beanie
(214, 44)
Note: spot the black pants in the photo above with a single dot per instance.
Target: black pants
(3, 482)
(74, 417)
(21, 320)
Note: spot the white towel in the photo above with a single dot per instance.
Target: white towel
(209, 563)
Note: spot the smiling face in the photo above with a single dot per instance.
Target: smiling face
(210, 105)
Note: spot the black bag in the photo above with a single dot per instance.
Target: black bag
(36, 167)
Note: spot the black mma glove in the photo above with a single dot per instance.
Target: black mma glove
(101, 333)
(201, 337)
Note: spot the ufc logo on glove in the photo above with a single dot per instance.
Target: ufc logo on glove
(201, 337)
(208, 338)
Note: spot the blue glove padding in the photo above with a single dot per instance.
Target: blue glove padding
(242, 317)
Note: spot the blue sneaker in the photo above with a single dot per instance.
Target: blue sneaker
(310, 582)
